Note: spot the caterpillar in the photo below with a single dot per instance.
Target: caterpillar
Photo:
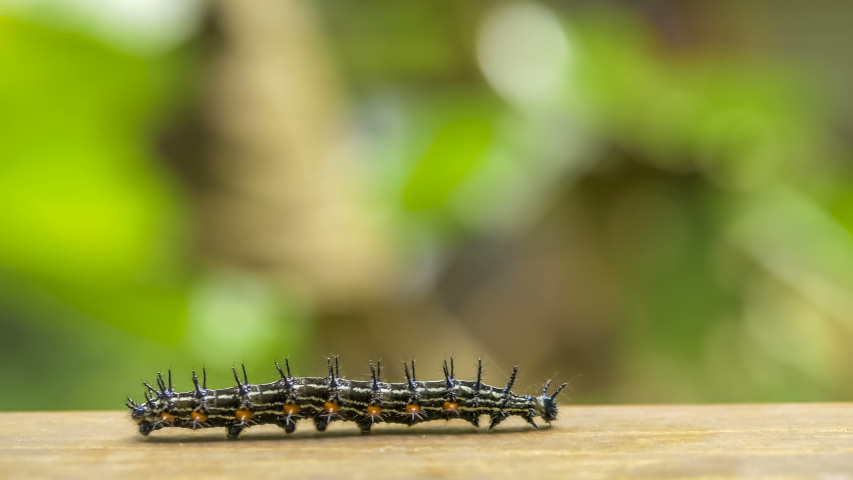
(332, 398)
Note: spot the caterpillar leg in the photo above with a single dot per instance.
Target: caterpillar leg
(235, 429)
(471, 417)
(497, 417)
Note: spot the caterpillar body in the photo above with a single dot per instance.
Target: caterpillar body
(332, 398)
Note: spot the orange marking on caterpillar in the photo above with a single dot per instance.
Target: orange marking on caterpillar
(331, 407)
(198, 416)
(451, 407)
(291, 408)
(374, 411)
(243, 415)
(167, 417)
(413, 409)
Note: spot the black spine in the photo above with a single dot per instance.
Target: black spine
(558, 391)
(412, 384)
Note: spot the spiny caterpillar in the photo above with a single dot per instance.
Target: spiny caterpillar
(332, 398)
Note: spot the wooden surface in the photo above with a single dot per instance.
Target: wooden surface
(716, 441)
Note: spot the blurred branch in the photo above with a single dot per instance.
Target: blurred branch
(281, 197)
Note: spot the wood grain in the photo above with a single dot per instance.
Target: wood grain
(700, 441)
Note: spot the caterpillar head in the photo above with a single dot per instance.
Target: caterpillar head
(155, 412)
(147, 415)
(137, 412)
(548, 409)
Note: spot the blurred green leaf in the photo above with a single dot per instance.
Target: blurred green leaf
(454, 155)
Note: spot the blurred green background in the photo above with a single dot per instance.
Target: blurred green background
(652, 199)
